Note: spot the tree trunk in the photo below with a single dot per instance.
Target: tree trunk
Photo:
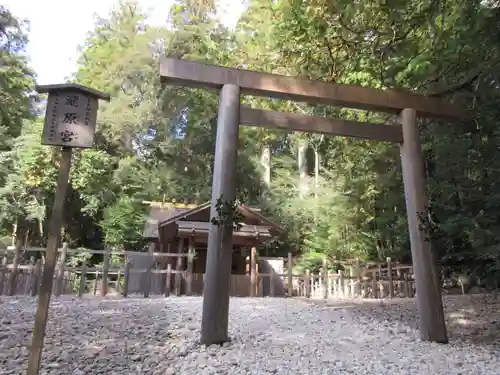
(265, 160)
(14, 234)
(316, 172)
(302, 166)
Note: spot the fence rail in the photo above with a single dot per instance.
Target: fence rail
(386, 280)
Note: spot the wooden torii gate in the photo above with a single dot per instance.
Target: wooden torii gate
(232, 83)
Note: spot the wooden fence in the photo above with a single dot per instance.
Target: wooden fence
(357, 280)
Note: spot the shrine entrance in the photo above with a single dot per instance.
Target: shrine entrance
(232, 83)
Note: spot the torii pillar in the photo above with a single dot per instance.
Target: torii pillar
(214, 321)
(430, 305)
(234, 82)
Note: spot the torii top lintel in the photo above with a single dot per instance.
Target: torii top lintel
(194, 74)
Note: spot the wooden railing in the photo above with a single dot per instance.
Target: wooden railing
(382, 281)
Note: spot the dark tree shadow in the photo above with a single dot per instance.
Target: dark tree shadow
(470, 318)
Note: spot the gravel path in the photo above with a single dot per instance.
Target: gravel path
(159, 336)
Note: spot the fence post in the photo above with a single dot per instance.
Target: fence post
(308, 284)
(35, 282)
(290, 275)
(60, 270)
(374, 285)
(168, 280)
(326, 277)
(334, 285)
(147, 276)
(366, 284)
(29, 279)
(83, 278)
(389, 277)
(178, 266)
(118, 277)
(189, 275)
(381, 287)
(406, 285)
(13, 274)
(412, 283)
(253, 272)
(341, 288)
(95, 282)
(189, 267)
(349, 283)
(358, 278)
(105, 271)
(331, 287)
(126, 278)
(3, 277)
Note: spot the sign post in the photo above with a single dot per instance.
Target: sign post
(70, 121)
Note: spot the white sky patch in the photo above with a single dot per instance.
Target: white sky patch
(58, 27)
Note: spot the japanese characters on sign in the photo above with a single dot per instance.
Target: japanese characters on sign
(70, 119)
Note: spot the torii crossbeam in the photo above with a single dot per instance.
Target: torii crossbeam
(232, 83)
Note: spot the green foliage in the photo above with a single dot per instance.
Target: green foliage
(123, 223)
(226, 214)
(155, 141)
(16, 79)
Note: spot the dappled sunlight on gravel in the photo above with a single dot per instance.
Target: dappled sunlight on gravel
(159, 336)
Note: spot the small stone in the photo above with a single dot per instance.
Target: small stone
(268, 336)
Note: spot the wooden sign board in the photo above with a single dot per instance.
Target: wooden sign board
(70, 119)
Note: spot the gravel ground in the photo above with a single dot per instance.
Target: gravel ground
(159, 336)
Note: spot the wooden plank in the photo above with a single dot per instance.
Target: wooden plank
(168, 280)
(253, 272)
(60, 271)
(105, 272)
(90, 251)
(126, 278)
(325, 278)
(189, 270)
(118, 277)
(200, 225)
(3, 278)
(342, 285)
(374, 285)
(36, 278)
(307, 282)
(147, 275)
(321, 125)
(195, 74)
(178, 266)
(14, 272)
(83, 279)
(95, 283)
